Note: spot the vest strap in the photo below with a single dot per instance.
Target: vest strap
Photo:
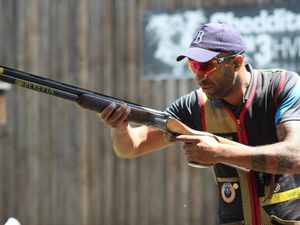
(281, 197)
(227, 179)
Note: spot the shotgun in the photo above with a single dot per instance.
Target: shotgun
(98, 102)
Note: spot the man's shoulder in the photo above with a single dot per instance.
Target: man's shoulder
(190, 97)
(273, 77)
(186, 109)
(275, 73)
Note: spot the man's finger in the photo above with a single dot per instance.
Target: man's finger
(187, 138)
(121, 121)
(120, 114)
(105, 114)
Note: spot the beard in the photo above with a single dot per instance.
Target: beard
(219, 88)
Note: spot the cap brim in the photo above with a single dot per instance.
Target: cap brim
(198, 54)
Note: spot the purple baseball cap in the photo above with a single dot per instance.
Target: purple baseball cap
(212, 39)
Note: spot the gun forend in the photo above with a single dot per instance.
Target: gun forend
(139, 114)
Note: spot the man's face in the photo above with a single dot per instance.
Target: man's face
(219, 83)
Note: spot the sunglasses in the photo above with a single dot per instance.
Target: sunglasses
(208, 67)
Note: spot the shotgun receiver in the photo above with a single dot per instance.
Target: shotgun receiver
(97, 102)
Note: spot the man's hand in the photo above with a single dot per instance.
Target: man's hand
(201, 149)
(115, 117)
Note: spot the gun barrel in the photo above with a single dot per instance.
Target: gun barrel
(83, 97)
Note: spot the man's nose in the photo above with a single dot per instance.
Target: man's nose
(200, 76)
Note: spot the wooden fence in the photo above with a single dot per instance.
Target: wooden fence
(57, 165)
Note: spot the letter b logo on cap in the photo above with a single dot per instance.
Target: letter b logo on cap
(198, 37)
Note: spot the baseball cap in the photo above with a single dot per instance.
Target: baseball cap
(212, 39)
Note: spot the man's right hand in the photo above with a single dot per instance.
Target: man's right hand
(115, 117)
(130, 142)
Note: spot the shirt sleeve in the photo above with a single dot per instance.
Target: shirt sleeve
(289, 99)
(186, 109)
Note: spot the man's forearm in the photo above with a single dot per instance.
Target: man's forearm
(132, 142)
(276, 158)
(123, 141)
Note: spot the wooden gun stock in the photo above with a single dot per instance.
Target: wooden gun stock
(175, 126)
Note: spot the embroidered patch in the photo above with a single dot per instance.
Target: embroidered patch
(228, 192)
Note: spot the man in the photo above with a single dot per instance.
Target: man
(258, 108)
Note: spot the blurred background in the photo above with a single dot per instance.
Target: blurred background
(57, 165)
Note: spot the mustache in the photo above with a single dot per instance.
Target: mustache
(205, 83)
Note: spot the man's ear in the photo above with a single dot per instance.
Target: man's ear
(239, 59)
(237, 64)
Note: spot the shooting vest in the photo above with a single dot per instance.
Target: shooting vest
(249, 198)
